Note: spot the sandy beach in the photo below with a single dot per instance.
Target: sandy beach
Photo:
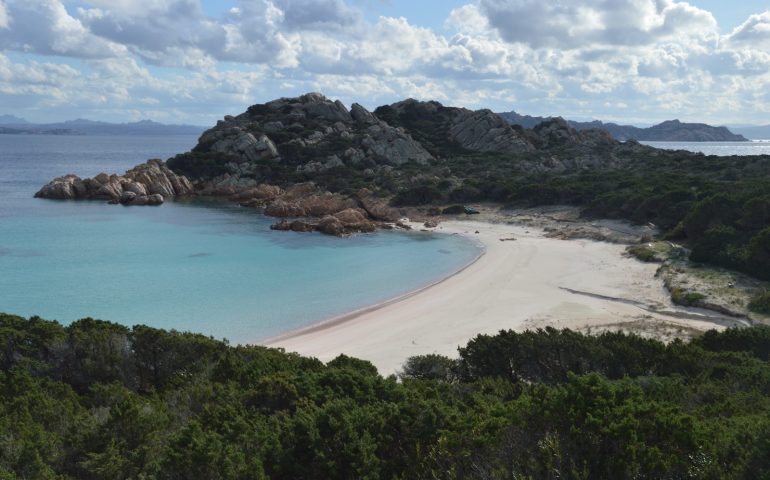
(522, 281)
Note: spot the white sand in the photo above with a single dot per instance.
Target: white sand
(515, 285)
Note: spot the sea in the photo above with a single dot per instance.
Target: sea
(722, 149)
(193, 265)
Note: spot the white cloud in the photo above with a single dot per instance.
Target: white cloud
(468, 19)
(601, 58)
(3, 15)
(753, 33)
(132, 8)
(572, 25)
(45, 27)
(178, 33)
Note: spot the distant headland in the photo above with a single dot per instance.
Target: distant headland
(668, 131)
(13, 125)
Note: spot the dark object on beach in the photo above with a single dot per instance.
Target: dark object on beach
(458, 209)
(453, 210)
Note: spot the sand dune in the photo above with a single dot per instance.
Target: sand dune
(528, 282)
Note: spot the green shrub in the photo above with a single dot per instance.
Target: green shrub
(201, 165)
(643, 253)
(760, 302)
(686, 297)
(429, 367)
(419, 195)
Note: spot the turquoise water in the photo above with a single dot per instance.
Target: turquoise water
(754, 147)
(208, 267)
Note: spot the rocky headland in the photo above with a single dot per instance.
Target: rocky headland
(320, 166)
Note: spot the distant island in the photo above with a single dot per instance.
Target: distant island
(668, 131)
(12, 125)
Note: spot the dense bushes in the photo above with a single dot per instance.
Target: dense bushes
(97, 400)
(201, 164)
(760, 303)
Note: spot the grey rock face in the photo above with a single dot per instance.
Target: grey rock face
(393, 145)
(362, 115)
(145, 184)
(315, 166)
(62, 188)
(484, 131)
(127, 197)
(328, 111)
(235, 141)
(315, 134)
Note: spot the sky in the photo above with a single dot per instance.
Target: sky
(194, 61)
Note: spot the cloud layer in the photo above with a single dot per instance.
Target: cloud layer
(630, 60)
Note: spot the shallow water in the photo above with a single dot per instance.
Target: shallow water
(208, 267)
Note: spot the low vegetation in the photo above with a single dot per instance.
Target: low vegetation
(686, 297)
(760, 303)
(96, 400)
(644, 253)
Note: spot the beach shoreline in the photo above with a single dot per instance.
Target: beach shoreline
(523, 280)
(341, 319)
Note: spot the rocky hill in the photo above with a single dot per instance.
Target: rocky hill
(320, 167)
(311, 157)
(668, 131)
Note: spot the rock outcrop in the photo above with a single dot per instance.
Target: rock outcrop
(287, 156)
(146, 184)
(452, 127)
(238, 142)
(483, 131)
(310, 133)
(326, 212)
(346, 222)
(376, 208)
(557, 132)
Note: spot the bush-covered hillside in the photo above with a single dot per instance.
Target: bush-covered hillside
(96, 400)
